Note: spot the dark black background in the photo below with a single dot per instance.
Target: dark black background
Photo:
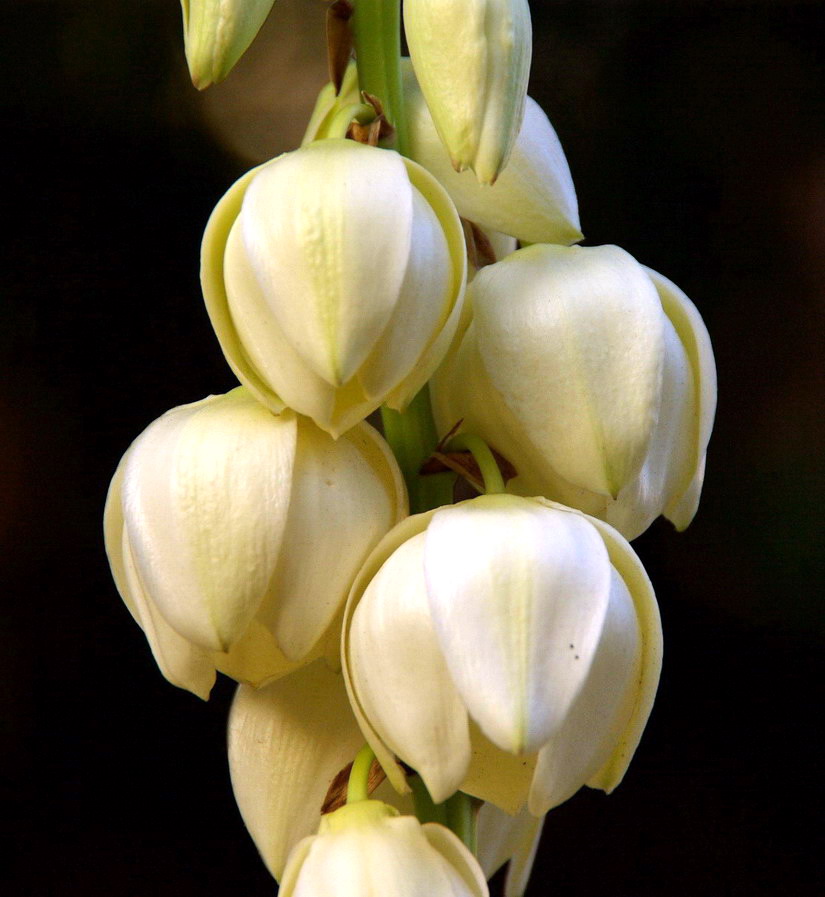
(696, 136)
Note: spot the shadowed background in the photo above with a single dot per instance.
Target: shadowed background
(695, 132)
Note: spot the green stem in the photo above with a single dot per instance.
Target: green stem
(376, 26)
(461, 818)
(487, 464)
(425, 809)
(359, 776)
(412, 437)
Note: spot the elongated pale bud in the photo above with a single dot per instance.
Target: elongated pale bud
(216, 34)
(334, 278)
(594, 376)
(533, 199)
(213, 523)
(505, 646)
(472, 60)
(374, 851)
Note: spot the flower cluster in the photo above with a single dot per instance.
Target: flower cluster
(496, 653)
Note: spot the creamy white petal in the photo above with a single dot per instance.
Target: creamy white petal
(518, 595)
(502, 838)
(533, 199)
(461, 390)
(600, 714)
(330, 263)
(391, 856)
(573, 340)
(627, 564)
(400, 676)
(287, 742)
(395, 538)
(691, 329)
(670, 460)
(461, 866)
(181, 663)
(205, 492)
(346, 495)
(424, 302)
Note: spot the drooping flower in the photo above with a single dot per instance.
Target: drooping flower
(334, 278)
(234, 534)
(594, 376)
(216, 33)
(472, 60)
(507, 647)
(366, 849)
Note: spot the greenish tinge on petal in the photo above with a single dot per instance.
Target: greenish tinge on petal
(472, 60)
(217, 33)
(533, 198)
(206, 491)
(399, 675)
(572, 338)
(287, 742)
(518, 595)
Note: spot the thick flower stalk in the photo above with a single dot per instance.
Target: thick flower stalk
(507, 647)
(472, 60)
(214, 523)
(334, 278)
(366, 849)
(594, 376)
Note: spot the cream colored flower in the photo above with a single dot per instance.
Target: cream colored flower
(472, 60)
(334, 278)
(366, 849)
(234, 534)
(216, 34)
(594, 376)
(507, 647)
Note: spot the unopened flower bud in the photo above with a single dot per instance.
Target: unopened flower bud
(367, 848)
(593, 376)
(507, 647)
(334, 278)
(214, 523)
(472, 60)
(217, 33)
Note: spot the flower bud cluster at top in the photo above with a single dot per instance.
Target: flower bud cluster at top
(505, 649)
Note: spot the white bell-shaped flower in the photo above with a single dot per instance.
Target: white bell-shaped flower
(334, 279)
(507, 647)
(594, 376)
(234, 535)
(216, 33)
(472, 60)
(533, 199)
(366, 849)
